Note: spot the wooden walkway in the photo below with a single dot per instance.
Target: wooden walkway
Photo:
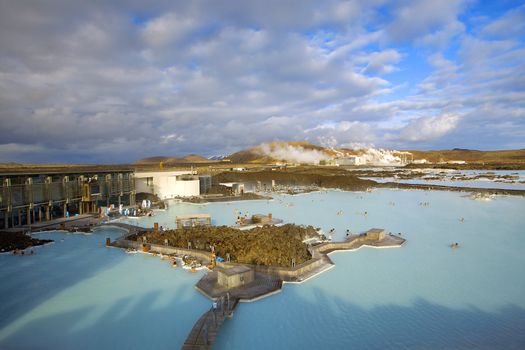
(132, 229)
(203, 333)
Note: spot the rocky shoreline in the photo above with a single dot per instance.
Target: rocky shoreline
(267, 245)
(19, 241)
(335, 178)
(474, 190)
(212, 199)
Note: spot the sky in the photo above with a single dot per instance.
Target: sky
(115, 81)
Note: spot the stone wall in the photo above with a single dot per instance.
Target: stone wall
(319, 258)
(319, 255)
(286, 273)
(204, 256)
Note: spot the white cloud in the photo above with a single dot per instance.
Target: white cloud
(381, 62)
(419, 18)
(441, 37)
(172, 138)
(345, 132)
(429, 128)
(511, 24)
(168, 29)
(97, 80)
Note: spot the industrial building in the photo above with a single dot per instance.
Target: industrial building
(204, 183)
(375, 234)
(237, 188)
(350, 160)
(235, 276)
(29, 197)
(193, 220)
(168, 184)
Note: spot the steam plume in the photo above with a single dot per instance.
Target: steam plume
(293, 154)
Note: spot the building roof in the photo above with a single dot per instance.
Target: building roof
(235, 270)
(140, 174)
(376, 230)
(193, 216)
(68, 170)
(230, 184)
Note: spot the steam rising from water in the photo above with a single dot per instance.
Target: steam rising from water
(375, 156)
(299, 154)
(293, 154)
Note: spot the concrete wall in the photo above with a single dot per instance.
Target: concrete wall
(319, 257)
(166, 185)
(204, 256)
(286, 273)
(375, 235)
(141, 186)
(187, 188)
(235, 280)
(352, 160)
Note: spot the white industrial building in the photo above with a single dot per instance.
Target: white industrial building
(167, 184)
(236, 187)
(350, 160)
(420, 161)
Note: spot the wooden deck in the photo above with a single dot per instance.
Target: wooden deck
(132, 229)
(263, 285)
(203, 333)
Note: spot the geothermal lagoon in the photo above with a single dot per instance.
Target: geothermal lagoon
(78, 294)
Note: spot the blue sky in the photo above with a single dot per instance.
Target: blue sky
(84, 81)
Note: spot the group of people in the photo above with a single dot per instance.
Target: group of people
(22, 252)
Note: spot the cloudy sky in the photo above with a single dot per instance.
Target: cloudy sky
(102, 81)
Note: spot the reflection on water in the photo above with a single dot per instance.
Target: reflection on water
(78, 294)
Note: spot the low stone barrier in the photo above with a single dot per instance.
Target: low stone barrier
(319, 255)
(285, 273)
(160, 249)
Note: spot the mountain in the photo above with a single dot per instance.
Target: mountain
(303, 152)
(279, 151)
(472, 156)
(217, 157)
(190, 158)
(194, 158)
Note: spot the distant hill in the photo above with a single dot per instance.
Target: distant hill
(246, 156)
(217, 157)
(268, 152)
(472, 156)
(194, 158)
(303, 152)
(464, 149)
(190, 158)
(150, 160)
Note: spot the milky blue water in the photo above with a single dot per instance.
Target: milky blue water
(456, 183)
(78, 294)
(423, 295)
(517, 184)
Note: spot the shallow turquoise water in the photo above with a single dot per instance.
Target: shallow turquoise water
(518, 184)
(78, 294)
(456, 183)
(423, 295)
